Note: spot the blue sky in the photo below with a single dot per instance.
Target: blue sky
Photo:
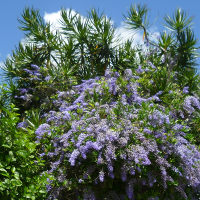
(10, 11)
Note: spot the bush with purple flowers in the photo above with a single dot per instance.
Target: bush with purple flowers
(119, 143)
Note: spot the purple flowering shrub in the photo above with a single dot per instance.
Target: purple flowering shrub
(31, 80)
(35, 86)
(106, 139)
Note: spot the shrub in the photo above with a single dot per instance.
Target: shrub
(107, 140)
(20, 167)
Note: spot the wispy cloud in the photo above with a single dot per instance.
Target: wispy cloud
(126, 34)
(54, 19)
(1, 64)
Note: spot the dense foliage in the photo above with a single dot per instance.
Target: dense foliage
(85, 117)
(20, 166)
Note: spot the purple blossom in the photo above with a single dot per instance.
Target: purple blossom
(35, 67)
(28, 71)
(81, 138)
(146, 130)
(111, 174)
(190, 103)
(151, 81)
(35, 78)
(80, 99)
(23, 124)
(116, 74)
(41, 130)
(151, 65)
(100, 159)
(66, 115)
(63, 94)
(23, 90)
(186, 90)
(129, 189)
(138, 154)
(132, 170)
(136, 77)
(112, 86)
(47, 78)
(177, 127)
(128, 74)
(110, 153)
(123, 141)
(112, 135)
(92, 145)
(80, 180)
(23, 97)
(139, 70)
(123, 175)
(101, 176)
(159, 93)
(124, 99)
(108, 73)
(54, 117)
(157, 118)
(36, 73)
(73, 157)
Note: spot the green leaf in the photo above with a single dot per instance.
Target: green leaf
(22, 153)
(4, 172)
(179, 21)
(137, 17)
(13, 169)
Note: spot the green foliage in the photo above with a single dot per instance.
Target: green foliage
(178, 48)
(137, 17)
(179, 21)
(92, 38)
(20, 166)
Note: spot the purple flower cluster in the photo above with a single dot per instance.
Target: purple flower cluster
(23, 124)
(34, 72)
(139, 70)
(42, 129)
(186, 90)
(190, 157)
(112, 132)
(23, 94)
(190, 103)
(157, 118)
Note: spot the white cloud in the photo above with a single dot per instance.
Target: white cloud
(53, 19)
(1, 63)
(24, 41)
(125, 34)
